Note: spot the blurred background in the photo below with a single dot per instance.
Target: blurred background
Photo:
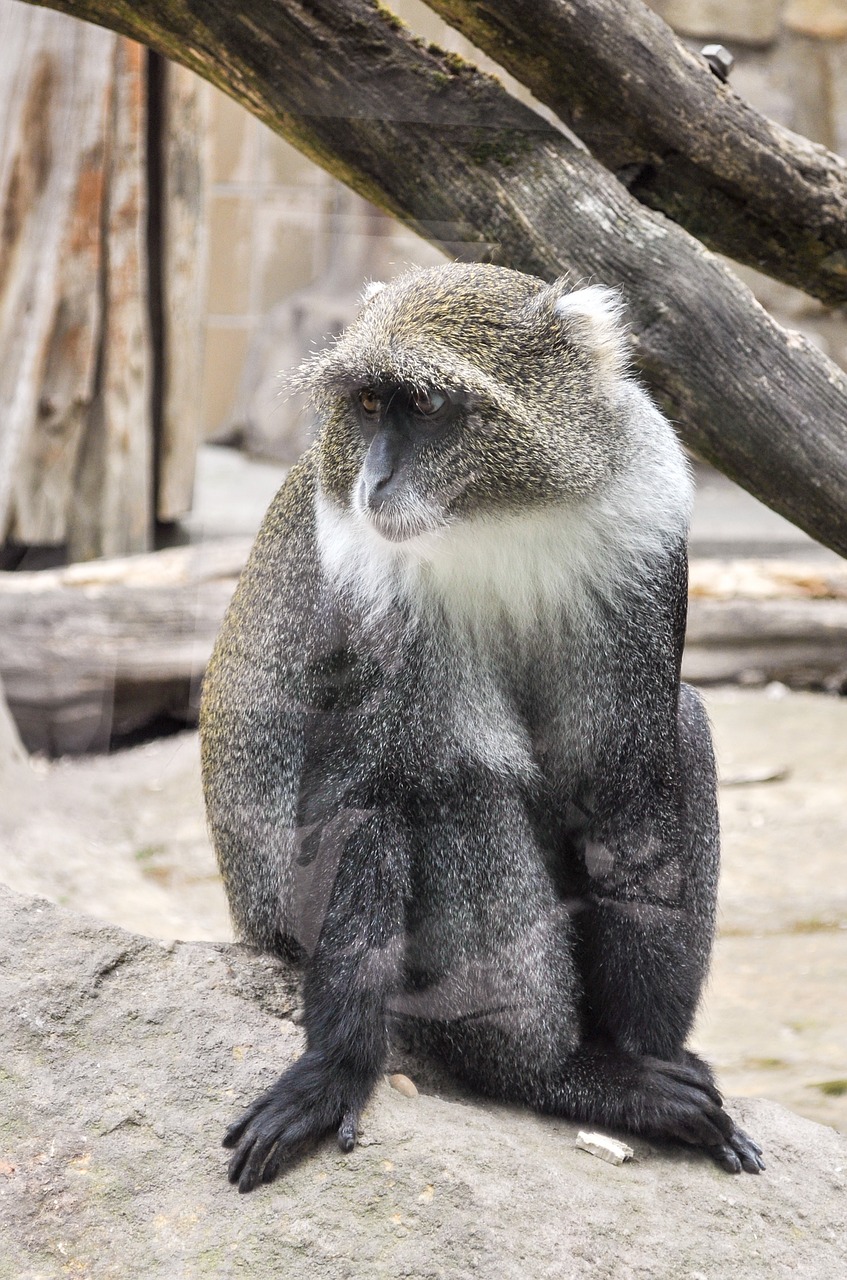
(164, 258)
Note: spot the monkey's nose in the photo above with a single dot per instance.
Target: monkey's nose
(378, 489)
(380, 470)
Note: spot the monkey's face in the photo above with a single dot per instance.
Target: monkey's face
(411, 460)
(405, 432)
(463, 392)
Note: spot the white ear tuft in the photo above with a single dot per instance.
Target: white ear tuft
(594, 317)
(371, 289)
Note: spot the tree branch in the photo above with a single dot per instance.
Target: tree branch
(679, 140)
(448, 151)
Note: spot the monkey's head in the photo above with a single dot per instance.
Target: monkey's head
(469, 390)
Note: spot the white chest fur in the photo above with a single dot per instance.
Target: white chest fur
(524, 567)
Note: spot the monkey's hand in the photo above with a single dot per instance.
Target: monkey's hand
(682, 1103)
(311, 1098)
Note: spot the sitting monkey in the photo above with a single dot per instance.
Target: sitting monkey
(449, 765)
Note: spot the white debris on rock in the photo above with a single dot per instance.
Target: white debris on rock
(606, 1148)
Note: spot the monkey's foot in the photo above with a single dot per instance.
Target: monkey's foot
(740, 1152)
(683, 1104)
(283, 1123)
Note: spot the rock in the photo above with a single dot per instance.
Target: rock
(124, 1059)
(403, 1085)
(13, 756)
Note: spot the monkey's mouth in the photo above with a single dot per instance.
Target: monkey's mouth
(396, 525)
(400, 521)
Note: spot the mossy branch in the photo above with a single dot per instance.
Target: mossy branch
(679, 139)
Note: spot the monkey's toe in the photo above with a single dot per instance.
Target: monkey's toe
(289, 1119)
(738, 1153)
(348, 1131)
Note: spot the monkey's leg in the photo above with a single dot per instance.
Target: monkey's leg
(645, 937)
(354, 968)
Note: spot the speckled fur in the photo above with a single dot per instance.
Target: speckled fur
(455, 773)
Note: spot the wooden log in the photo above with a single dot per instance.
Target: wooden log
(54, 86)
(678, 138)
(111, 503)
(449, 151)
(800, 643)
(756, 621)
(758, 579)
(95, 651)
(182, 135)
(77, 439)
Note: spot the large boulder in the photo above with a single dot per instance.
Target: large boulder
(124, 1058)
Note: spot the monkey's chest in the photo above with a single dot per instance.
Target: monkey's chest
(524, 714)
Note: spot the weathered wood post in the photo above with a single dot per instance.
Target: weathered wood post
(101, 279)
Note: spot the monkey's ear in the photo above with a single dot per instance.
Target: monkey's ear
(594, 320)
(371, 289)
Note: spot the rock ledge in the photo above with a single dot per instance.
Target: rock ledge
(123, 1060)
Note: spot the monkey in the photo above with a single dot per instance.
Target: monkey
(449, 764)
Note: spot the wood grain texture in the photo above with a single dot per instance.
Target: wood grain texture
(55, 77)
(447, 150)
(111, 503)
(104, 648)
(91, 406)
(183, 132)
(680, 140)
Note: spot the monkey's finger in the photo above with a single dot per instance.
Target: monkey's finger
(699, 1131)
(254, 1162)
(246, 1164)
(748, 1141)
(240, 1126)
(237, 1164)
(234, 1132)
(725, 1157)
(291, 1148)
(687, 1075)
(348, 1130)
(748, 1152)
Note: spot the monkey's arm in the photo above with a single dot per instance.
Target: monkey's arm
(651, 849)
(649, 910)
(303, 862)
(645, 937)
(355, 967)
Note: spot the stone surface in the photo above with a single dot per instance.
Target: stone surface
(122, 837)
(773, 1015)
(124, 1059)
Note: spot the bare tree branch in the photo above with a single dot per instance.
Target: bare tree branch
(446, 149)
(679, 140)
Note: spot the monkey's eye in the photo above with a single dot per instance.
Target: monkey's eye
(369, 401)
(428, 402)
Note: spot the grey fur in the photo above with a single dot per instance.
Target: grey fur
(447, 758)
